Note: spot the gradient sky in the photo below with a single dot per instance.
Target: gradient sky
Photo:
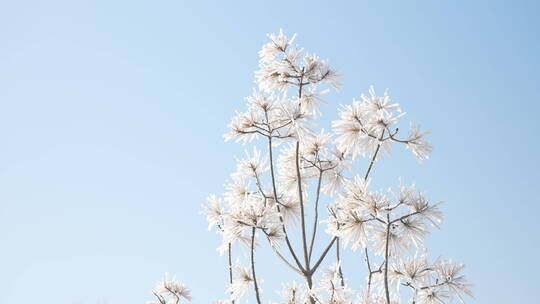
(112, 112)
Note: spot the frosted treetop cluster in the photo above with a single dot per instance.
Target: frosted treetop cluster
(279, 187)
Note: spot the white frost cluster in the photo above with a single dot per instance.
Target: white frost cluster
(370, 124)
(169, 291)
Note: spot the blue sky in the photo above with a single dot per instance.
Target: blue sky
(112, 112)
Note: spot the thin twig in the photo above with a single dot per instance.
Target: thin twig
(386, 289)
(272, 175)
(255, 285)
(316, 219)
(230, 266)
(303, 220)
(323, 255)
(340, 271)
(280, 255)
(374, 157)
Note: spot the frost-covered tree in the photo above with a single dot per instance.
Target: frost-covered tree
(291, 166)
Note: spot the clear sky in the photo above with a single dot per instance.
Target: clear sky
(112, 112)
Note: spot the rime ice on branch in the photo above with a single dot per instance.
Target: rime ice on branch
(267, 197)
(170, 291)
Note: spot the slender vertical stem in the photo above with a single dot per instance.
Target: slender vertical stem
(299, 179)
(256, 286)
(387, 291)
(230, 266)
(372, 161)
(370, 273)
(309, 279)
(302, 216)
(365, 179)
(323, 255)
(340, 271)
(316, 219)
(259, 186)
(309, 274)
(274, 188)
(301, 84)
(374, 157)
